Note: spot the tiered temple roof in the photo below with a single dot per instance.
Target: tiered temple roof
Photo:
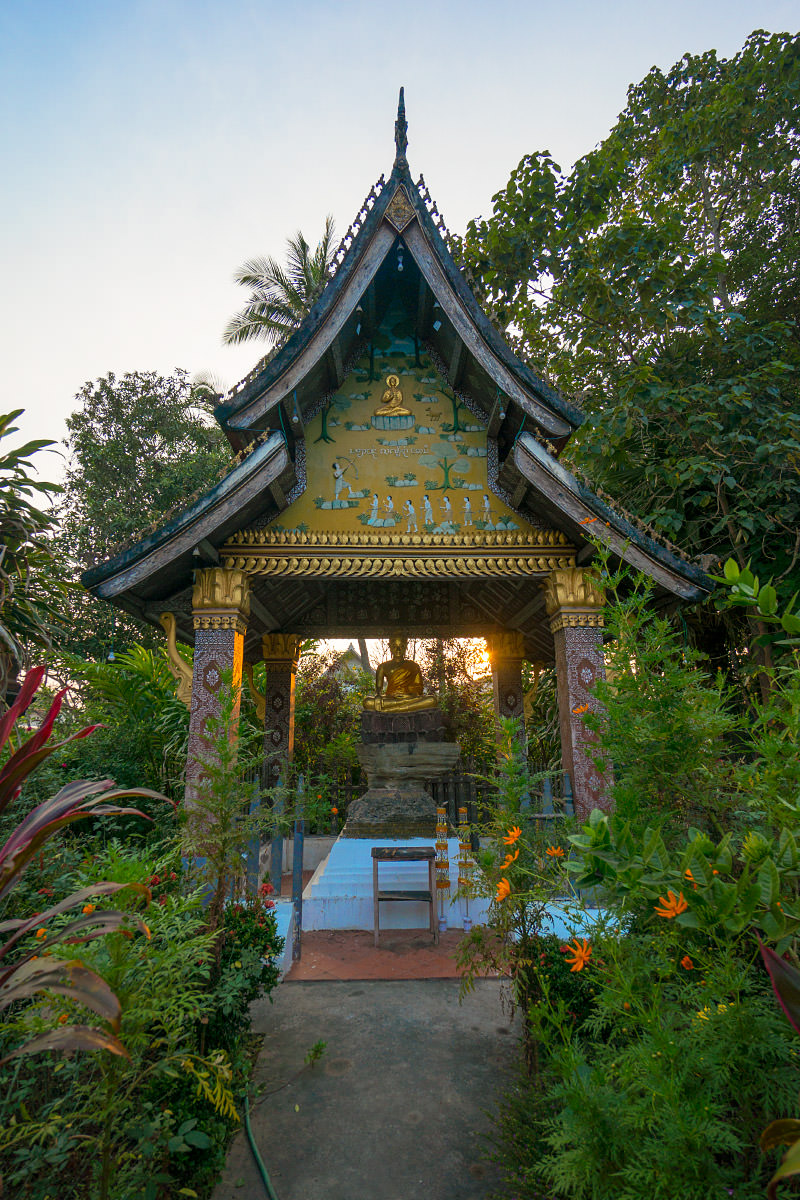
(394, 268)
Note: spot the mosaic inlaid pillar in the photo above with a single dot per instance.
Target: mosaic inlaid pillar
(506, 653)
(220, 608)
(281, 654)
(574, 606)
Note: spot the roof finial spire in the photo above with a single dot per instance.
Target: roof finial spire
(401, 132)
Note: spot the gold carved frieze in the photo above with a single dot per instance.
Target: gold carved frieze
(221, 599)
(539, 538)
(335, 555)
(400, 211)
(377, 566)
(573, 599)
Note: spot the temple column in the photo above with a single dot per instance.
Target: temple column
(574, 605)
(281, 655)
(506, 654)
(220, 608)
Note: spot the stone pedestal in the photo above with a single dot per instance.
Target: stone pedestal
(400, 753)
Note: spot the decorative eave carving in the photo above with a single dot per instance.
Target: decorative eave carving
(373, 566)
(400, 211)
(259, 699)
(178, 666)
(539, 539)
(265, 552)
(573, 599)
(221, 599)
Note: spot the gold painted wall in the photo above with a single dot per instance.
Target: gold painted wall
(397, 453)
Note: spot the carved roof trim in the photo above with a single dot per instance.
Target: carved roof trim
(163, 559)
(584, 514)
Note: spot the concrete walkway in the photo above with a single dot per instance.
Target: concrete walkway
(395, 1108)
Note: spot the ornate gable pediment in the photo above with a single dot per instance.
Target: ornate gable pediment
(398, 483)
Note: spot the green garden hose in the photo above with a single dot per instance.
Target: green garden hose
(262, 1170)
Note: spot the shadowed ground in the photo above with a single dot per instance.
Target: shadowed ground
(395, 1108)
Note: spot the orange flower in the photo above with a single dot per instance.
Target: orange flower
(510, 858)
(581, 953)
(687, 874)
(580, 709)
(555, 851)
(671, 905)
(687, 963)
(40, 933)
(62, 1020)
(147, 932)
(334, 810)
(715, 872)
(87, 908)
(588, 521)
(512, 836)
(503, 888)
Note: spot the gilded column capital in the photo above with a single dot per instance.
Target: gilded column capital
(505, 645)
(221, 599)
(281, 651)
(572, 599)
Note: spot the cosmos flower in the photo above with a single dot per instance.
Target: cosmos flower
(671, 906)
(581, 953)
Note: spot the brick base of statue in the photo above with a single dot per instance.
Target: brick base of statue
(399, 754)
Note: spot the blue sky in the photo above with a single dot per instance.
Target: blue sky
(148, 148)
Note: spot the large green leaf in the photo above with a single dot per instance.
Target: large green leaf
(789, 1166)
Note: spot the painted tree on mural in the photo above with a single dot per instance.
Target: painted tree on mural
(333, 405)
(448, 459)
(659, 281)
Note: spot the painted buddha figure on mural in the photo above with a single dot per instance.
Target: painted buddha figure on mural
(392, 400)
(398, 683)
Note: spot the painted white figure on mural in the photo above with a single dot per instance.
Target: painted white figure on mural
(426, 504)
(373, 511)
(487, 509)
(388, 508)
(467, 511)
(411, 518)
(447, 508)
(339, 481)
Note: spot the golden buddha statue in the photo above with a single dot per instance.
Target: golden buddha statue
(392, 400)
(398, 683)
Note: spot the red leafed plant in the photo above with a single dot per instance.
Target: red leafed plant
(35, 971)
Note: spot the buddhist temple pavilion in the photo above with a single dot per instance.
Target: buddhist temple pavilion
(396, 469)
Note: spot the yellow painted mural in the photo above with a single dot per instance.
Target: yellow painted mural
(399, 452)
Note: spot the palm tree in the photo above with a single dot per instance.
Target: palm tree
(281, 296)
